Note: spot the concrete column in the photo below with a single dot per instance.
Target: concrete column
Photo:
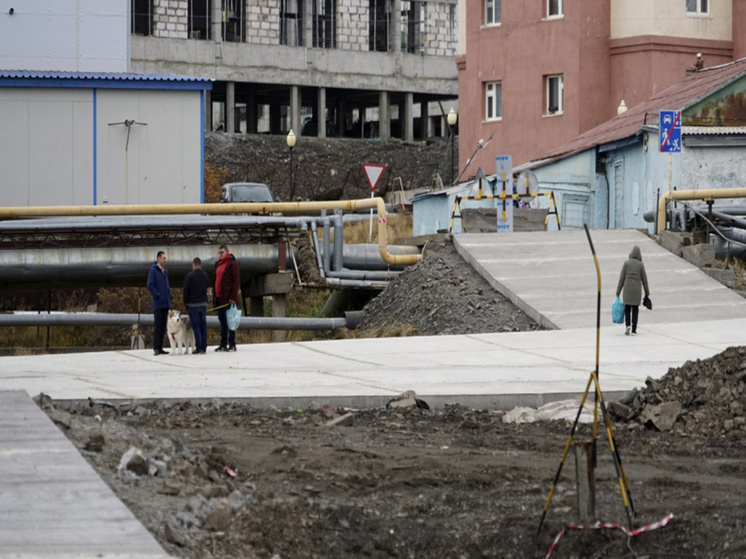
(252, 115)
(321, 112)
(216, 24)
(384, 115)
(230, 107)
(279, 310)
(295, 109)
(395, 36)
(406, 115)
(307, 24)
(208, 111)
(424, 121)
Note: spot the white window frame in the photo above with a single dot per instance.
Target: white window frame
(701, 7)
(493, 100)
(496, 7)
(560, 9)
(549, 81)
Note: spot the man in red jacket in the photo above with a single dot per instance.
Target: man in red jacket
(227, 281)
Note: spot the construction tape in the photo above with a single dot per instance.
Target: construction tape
(381, 220)
(604, 525)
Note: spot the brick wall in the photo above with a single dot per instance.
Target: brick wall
(352, 24)
(440, 32)
(263, 22)
(170, 18)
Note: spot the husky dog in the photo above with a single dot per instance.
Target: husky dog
(180, 333)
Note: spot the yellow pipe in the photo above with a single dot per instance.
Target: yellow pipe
(223, 208)
(694, 195)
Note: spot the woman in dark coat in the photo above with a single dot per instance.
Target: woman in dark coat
(632, 281)
(227, 280)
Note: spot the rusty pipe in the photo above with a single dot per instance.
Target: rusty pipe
(694, 195)
(225, 208)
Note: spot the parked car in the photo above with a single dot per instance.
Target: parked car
(246, 192)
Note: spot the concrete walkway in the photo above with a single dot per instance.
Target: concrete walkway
(46, 504)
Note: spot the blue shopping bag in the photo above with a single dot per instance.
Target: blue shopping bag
(617, 311)
(233, 314)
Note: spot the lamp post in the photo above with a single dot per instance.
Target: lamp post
(291, 145)
(452, 119)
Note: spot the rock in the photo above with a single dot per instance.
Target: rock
(219, 520)
(169, 488)
(617, 410)
(662, 416)
(345, 420)
(95, 443)
(133, 461)
(175, 535)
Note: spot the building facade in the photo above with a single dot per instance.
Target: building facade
(534, 75)
(362, 67)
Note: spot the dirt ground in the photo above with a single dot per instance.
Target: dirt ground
(223, 479)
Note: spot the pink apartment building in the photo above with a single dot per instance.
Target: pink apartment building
(534, 74)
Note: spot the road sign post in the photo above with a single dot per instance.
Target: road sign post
(373, 173)
(504, 188)
(669, 137)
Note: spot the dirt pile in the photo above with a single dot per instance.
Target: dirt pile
(327, 169)
(443, 294)
(704, 398)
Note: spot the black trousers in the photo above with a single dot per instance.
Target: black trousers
(159, 328)
(634, 311)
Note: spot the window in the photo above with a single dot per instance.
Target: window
(291, 28)
(493, 100)
(554, 94)
(412, 25)
(233, 18)
(325, 24)
(492, 12)
(142, 17)
(697, 6)
(554, 8)
(379, 25)
(199, 19)
(575, 211)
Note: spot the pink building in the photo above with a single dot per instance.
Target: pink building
(535, 74)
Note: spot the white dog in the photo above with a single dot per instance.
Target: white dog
(180, 333)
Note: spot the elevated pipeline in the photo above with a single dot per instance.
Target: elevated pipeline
(706, 194)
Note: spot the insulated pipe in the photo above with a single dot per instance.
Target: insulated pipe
(146, 319)
(694, 195)
(338, 238)
(223, 208)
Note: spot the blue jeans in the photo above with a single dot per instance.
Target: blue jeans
(198, 318)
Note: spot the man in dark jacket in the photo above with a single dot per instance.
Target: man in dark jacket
(195, 300)
(161, 293)
(227, 281)
(632, 281)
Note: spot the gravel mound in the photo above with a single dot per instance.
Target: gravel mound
(443, 294)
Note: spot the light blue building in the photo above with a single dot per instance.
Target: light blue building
(611, 175)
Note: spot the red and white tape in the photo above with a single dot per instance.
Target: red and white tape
(603, 525)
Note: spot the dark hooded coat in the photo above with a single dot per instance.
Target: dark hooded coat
(633, 279)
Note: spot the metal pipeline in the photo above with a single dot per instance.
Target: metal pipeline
(235, 208)
(104, 319)
(707, 194)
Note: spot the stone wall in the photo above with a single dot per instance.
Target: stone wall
(352, 25)
(170, 19)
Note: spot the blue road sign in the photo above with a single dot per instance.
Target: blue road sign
(669, 127)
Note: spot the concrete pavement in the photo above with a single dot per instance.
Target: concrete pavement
(551, 276)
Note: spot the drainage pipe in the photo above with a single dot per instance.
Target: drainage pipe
(707, 194)
(224, 208)
(146, 319)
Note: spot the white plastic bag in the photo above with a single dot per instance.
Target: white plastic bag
(233, 314)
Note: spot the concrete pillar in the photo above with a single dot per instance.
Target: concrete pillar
(321, 112)
(307, 24)
(295, 109)
(208, 111)
(424, 120)
(252, 115)
(384, 115)
(279, 310)
(406, 116)
(216, 24)
(230, 107)
(395, 36)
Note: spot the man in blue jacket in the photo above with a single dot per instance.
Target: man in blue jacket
(161, 293)
(195, 300)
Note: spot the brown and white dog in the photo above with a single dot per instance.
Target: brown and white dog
(180, 333)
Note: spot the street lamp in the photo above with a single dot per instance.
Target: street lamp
(452, 118)
(291, 144)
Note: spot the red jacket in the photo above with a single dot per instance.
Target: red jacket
(230, 280)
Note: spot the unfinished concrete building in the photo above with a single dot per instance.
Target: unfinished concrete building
(366, 68)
